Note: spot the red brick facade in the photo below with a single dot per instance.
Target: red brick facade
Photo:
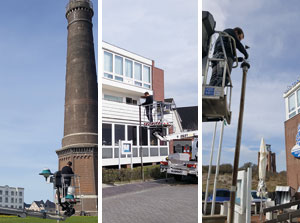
(85, 165)
(292, 163)
(158, 83)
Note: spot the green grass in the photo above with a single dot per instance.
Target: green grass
(74, 219)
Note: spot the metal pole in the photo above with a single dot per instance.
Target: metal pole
(245, 67)
(248, 204)
(209, 169)
(217, 169)
(119, 155)
(141, 139)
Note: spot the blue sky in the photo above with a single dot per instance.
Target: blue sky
(271, 30)
(33, 44)
(164, 31)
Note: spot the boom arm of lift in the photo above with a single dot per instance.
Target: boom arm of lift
(181, 135)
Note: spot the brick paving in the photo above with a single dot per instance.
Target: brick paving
(151, 202)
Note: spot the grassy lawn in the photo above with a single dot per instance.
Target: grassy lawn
(74, 219)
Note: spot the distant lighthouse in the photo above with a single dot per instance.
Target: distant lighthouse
(80, 141)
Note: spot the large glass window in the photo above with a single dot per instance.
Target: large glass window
(292, 105)
(146, 74)
(144, 136)
(119, 133)
(108, 62)
(128, 68)
(132, 134)
(113, 98)
(137, 71)
(106, 135)
(118, 65)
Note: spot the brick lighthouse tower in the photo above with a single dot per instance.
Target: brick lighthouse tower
(80, 141)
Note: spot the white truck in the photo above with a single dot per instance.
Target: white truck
(181, 164)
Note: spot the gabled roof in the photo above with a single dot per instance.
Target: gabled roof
(189, 117)
(170, 100)
(27, 205)
(49, 204)
(40, 203)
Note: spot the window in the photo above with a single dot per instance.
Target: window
(12, 200)
(0, 199)
(153, 139)
(118, 65)
(12, 193)
(146, 74)
(128, 100)
(298, 98)
(128, 68)
(144, 136)
(163, 143)
(113, 98)
(132, 134)
(137, 71)
(6, 200)
(20, 200)
(131, 101)
(20, 193)
(11, 206)
(107, 153)
(6, 193)
(16, 200)
(20, 207)
(0, 192)
(108, 62)
(292, 105)
(108, 75)
(138, 83)
(147, 86)
(117, 78)
(106, 135)
(119, 133)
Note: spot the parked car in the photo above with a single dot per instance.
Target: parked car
(221, 195)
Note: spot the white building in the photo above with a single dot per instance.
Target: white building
(126, 77)
(292, 100)
(12, 197)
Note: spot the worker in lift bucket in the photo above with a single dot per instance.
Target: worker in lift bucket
(148, 105)
(217, 68)
(67, 179)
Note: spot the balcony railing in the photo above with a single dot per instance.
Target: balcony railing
(130, 113)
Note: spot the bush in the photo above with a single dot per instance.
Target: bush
(126, 174)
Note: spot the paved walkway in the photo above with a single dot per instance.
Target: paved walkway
(151, 202)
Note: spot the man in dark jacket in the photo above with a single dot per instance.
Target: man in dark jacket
(67, 179)
(217, 70)
(148, 105)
